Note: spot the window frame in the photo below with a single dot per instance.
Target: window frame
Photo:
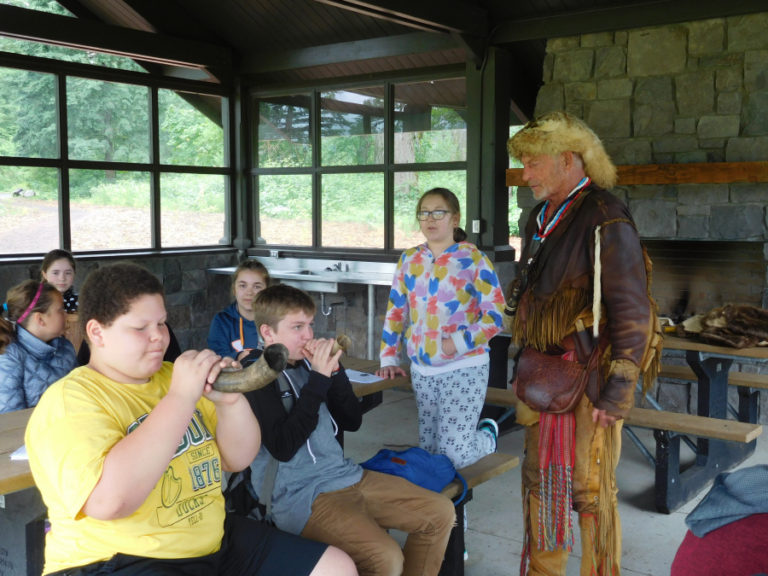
(60, 70)
(387, 168)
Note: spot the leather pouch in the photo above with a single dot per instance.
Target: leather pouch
(550, 383)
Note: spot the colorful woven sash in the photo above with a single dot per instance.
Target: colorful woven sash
(557, 444)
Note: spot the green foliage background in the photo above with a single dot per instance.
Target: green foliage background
(109, 121)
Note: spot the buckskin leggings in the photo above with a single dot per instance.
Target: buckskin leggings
(591, 445)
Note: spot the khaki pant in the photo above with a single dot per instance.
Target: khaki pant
(587, 475)
(356, 520)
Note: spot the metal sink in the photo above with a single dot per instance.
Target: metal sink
(322, 275)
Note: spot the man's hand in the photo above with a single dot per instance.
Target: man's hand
(602, 418)
(390, 372)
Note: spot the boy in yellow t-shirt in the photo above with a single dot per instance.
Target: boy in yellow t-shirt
(128, 453)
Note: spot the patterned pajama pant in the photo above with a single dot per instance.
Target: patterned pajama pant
(449, 406)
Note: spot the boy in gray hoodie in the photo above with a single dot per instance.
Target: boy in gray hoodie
(317, 492)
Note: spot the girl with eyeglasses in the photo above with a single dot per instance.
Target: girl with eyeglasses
(446, 303)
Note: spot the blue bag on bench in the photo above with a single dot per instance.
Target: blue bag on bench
(431, 471)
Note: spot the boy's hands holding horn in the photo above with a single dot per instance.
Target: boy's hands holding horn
(194, 373)
(322, 356)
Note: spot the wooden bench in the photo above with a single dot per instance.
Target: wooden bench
(701, 426)
(22, 512)
(734, 378)
(481, 471)
(692, 424)
(669, 428)
(675, 485)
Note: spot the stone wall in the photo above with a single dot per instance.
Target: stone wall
(192, 294)
(692, 92)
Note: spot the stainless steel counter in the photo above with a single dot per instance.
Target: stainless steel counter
(316, 275)
(324, 276)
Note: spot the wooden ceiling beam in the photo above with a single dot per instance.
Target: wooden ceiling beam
(98, 37)
(612, 18)
(415, 43)
(429, 15)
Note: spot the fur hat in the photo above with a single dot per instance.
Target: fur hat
(559, 132)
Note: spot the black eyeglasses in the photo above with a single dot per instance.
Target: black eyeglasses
(436, 214)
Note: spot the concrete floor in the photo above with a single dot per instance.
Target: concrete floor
(495, 531)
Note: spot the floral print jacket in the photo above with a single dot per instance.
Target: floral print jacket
(456, 295)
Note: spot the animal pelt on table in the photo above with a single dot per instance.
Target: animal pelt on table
(735, 325)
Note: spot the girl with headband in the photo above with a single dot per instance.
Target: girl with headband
(33, 351)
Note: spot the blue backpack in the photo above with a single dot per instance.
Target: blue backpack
(431, 471)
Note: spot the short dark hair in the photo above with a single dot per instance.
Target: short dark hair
(108, 292)
(275, 302)
(57, 254)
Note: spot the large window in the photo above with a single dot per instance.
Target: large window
(429, 122)
(113, 180)
(514, 211)
(344, 168)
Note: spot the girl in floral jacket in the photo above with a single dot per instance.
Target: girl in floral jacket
(447, 304)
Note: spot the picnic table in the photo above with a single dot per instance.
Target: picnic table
(711, 365)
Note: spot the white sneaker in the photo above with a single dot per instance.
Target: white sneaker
(491, 426)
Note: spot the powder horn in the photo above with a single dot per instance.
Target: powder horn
(342, 342)
(255, 376)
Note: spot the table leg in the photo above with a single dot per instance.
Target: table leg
(712, 373)
(453, 561)
(22, 521)
(674, 487)
(749, 404)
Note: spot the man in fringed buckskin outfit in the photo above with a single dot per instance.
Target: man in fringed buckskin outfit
(582, 266)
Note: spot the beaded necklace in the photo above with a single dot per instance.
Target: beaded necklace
(545, 229)
(521, 283)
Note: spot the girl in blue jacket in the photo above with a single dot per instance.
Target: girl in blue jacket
(233, 333)
(33, 351)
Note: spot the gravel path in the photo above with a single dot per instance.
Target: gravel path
(28, 225)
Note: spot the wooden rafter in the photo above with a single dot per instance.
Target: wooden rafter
(404, 44)
(429, 15)
(89, 35)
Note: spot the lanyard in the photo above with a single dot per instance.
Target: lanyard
(545, 228)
